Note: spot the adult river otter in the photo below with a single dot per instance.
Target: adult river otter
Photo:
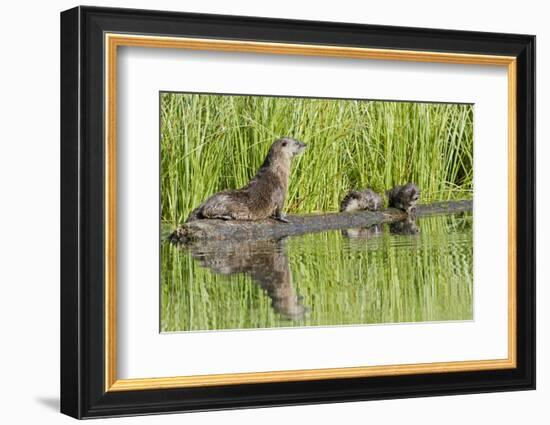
(263, 197)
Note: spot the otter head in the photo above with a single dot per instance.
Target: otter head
(412, 192)
(288, 147)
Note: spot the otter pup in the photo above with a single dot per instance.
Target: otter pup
(263, 197)
(404, 197)
(366, 199)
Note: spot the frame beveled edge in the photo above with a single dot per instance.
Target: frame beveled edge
(115, 40)
(82, 389)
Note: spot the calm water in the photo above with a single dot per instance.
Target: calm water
(406, 272)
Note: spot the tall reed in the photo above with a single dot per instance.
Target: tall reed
(214, 142)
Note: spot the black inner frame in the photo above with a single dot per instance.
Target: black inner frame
(82, 212)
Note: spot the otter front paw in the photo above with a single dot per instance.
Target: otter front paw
(281, 218)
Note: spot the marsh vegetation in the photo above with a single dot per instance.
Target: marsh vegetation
(211, 143)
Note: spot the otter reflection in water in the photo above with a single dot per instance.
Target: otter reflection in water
(363, 232)
(407, 226)
(266, 262)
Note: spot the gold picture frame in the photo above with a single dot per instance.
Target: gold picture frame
(114, 41)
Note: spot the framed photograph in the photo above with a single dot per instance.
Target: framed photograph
(261, 212)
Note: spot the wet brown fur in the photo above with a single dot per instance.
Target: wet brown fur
(263, 197)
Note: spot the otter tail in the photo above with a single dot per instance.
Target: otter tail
(196, 214)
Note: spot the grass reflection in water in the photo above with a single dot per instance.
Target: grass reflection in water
(404, 272)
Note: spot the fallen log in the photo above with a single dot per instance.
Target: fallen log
(300, 224)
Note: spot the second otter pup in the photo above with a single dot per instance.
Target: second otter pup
(263, 197)
(404, 197)
(366, 199)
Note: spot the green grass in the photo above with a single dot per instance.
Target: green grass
(211, 142)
